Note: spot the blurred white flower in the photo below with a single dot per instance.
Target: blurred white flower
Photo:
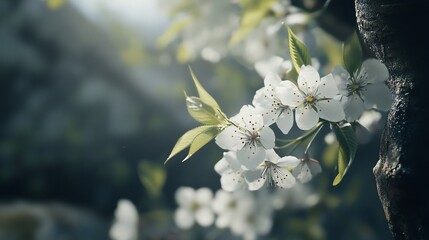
(248, 136)
(225, 205)
(267, 103)
(194, 206)
(274, 64)
(273, 170)
(366, 89)
(253, 216)
(370, 120)
(230, 171)
(312, 99)
(307, 169)
(369, 123)
(298, 197)
(125, 226)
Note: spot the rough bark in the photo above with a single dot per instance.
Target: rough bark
(396, 31)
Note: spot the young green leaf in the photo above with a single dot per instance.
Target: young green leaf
(187, 139)
(201, 140)
(153, 177)
(346, 138)
(250, 19)
(352, 54)
(298, 51)
(203, 94)
(172, 32)
(202, 112)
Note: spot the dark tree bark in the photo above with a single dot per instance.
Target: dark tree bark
(396, 31)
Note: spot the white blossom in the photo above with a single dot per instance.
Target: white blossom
(232, 177)
(307, 169)
(194, 206)
(253, 216)
(225, 205)
(312, 99)
(125, 226)
(366, 89)
(248, 136)
(273, 170)
(274, 64)
(271, 108)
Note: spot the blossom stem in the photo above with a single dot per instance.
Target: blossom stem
(312, 138)
(299, 140)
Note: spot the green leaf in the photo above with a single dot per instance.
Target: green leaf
(172, 32)
(201, 140)
(346, 138)
(202, 112)
(152, 177)
(298, 51)
(203, 94)
(352, 54)
(292, 75)
(252, 16)
(183, 53)
(187, 139)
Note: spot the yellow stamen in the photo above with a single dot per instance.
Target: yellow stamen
(309, 99)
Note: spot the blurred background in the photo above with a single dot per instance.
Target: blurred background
(92, 102)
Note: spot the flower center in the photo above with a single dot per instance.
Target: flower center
(195, 206)
(309, 99)
(356, 88)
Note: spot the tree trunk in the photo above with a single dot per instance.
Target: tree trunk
(393, 31)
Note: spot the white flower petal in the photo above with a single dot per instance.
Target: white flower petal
(221, 201)
(251, 156)
(204, 217)
(126, 211)
(306, 118)
(250, 118)
(222, 166)
(184, 219)
(289, 94)
(302, 173)
(379, 97)
(288, 161)
(341, 77)
(267, 138)
(308, 79)
(223, 220)
(331, 110)
(232, 181)
(270, 65)
(231, 158)
(230, 138)
(327, 87)
(264, 224)
(283, 178)
(254, 180)
(269, 112)
(203, 196)
(375, 70)
(184, 196)
(271, 81)
(314, 166)
(259, 100)
(370, 120)
(285, 120)
(271, 155)
(353, 107)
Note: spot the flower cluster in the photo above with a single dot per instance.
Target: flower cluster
(344, 99)
(251, 161)
(246, 214)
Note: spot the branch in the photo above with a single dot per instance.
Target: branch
(389, 28)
